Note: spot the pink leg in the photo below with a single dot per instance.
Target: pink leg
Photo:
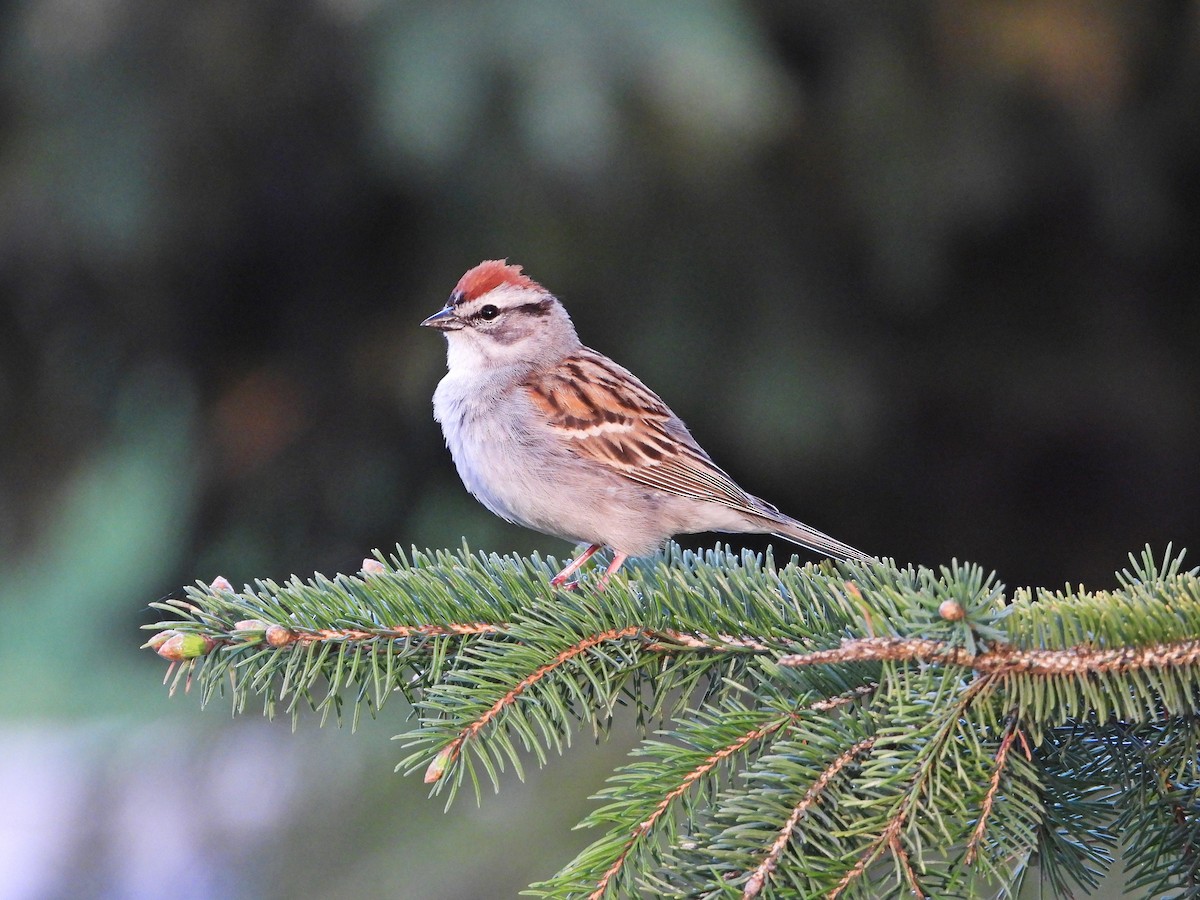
(617, 560)
(573, 567)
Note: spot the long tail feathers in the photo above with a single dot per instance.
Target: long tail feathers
(797, 532)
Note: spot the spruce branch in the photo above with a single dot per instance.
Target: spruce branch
(450, 752)
(920, 788)
(759, 876)
(1006, 659)
(1011, 732)
(704, 769)
(638, 778)
(806, 724)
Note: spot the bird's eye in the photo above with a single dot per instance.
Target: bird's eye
(489, 312)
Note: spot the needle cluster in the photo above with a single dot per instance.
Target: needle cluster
(858, 730)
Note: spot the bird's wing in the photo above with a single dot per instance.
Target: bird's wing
(605, 414)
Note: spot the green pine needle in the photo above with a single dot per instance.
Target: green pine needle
(843, 730)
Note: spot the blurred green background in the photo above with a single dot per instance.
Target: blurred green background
(923, 274)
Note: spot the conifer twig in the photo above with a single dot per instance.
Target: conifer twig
(910, 873)
(445, 629)
(690, 779)
(710, 763)
(450, 752)
(759, 877)
(1004, 659)
(891, 834)
(993, 788)
(496, 668)
(887, 839)
(280, 636)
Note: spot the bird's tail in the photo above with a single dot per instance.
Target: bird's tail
(799, 533)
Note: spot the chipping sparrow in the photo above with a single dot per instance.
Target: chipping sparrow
(557, 437)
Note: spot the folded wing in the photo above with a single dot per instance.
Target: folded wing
(609, 417)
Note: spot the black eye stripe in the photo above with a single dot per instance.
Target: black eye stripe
(534, 308)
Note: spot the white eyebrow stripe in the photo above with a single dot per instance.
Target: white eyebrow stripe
(505, 296)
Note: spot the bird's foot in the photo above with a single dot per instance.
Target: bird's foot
(562, 579)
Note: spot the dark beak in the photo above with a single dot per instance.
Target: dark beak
(444, 320)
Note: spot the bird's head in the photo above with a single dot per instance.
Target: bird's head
(499, 316)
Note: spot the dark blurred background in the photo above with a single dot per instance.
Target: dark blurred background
(924, 274)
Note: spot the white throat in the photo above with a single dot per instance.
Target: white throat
(469, 353)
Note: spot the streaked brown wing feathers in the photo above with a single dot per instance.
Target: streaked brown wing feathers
(607, 415)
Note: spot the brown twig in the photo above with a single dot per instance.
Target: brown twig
(989, 798)
(1006, 659)
(890, 834)
(758, 878)
(897, 847)
(451, 751)
(691, 778)
(707, 766)
(842, 699)
(703, 641)
(449, 629)
(660, 639)
(279, 636)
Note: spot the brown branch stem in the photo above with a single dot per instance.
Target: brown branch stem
(989, 798)
(449, 629)
(691, 778)
(1005, 659)
(663, 640)
(887, 839)
(891, 834)
(450, 752)
(914, 883)
(762, 873)
(707, 766)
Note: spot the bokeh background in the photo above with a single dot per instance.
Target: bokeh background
(925, 274)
